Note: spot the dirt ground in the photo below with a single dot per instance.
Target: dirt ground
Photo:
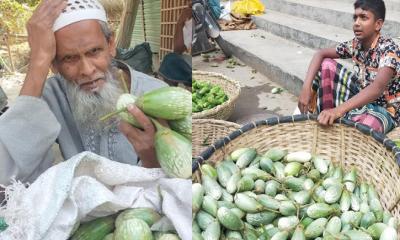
(11, 85)
(256, 101)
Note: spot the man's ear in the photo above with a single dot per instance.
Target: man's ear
(54, 67)
(112, 45)
(378, 24)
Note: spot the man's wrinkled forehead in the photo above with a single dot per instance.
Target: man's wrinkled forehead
(78, 10)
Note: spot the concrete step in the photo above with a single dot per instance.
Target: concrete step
(303, 31)
(332, 12)
(282, 61)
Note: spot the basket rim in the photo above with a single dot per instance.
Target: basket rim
(216, 109)
(220, 121)
(380, 137)
(209, 123)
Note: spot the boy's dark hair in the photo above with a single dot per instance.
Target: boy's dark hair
(377, 7)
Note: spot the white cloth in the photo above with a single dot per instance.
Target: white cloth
(88, 186)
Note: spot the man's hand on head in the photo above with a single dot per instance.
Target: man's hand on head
(40, 33)
(141, 140)
(42, 43)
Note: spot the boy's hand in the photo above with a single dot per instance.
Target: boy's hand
(327, 117)
(304, 100)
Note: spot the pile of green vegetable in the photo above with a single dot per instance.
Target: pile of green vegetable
(206, 96)
(3, 224)
(173, 144)
(397, 142)
(280, 195)
(131, 224)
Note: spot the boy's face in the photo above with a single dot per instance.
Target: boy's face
(365, 24)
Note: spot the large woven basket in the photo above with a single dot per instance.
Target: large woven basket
(394, 134)
(206, 131)
(230, 87)
(349, 144)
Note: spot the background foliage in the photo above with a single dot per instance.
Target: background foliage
(14, 14)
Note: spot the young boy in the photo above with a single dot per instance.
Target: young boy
(371, 94)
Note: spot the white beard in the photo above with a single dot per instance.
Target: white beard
(88, 107)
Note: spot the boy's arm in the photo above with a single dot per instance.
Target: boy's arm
(305, 95)
(179, 45)
(365, 96)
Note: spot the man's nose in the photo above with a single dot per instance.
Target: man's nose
(87, 68)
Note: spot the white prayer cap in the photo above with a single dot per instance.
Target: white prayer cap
(78, 10)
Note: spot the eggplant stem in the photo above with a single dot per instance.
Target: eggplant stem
(105, 117)
(157, 124)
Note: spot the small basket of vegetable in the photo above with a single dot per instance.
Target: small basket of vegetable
(214, 95)
(207, 131)
(290, 178)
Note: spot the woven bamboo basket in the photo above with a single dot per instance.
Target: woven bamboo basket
(394, 134)
(207, 131)
(230, 87)
(346, 143)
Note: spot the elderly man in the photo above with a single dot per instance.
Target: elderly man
(73, 39)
